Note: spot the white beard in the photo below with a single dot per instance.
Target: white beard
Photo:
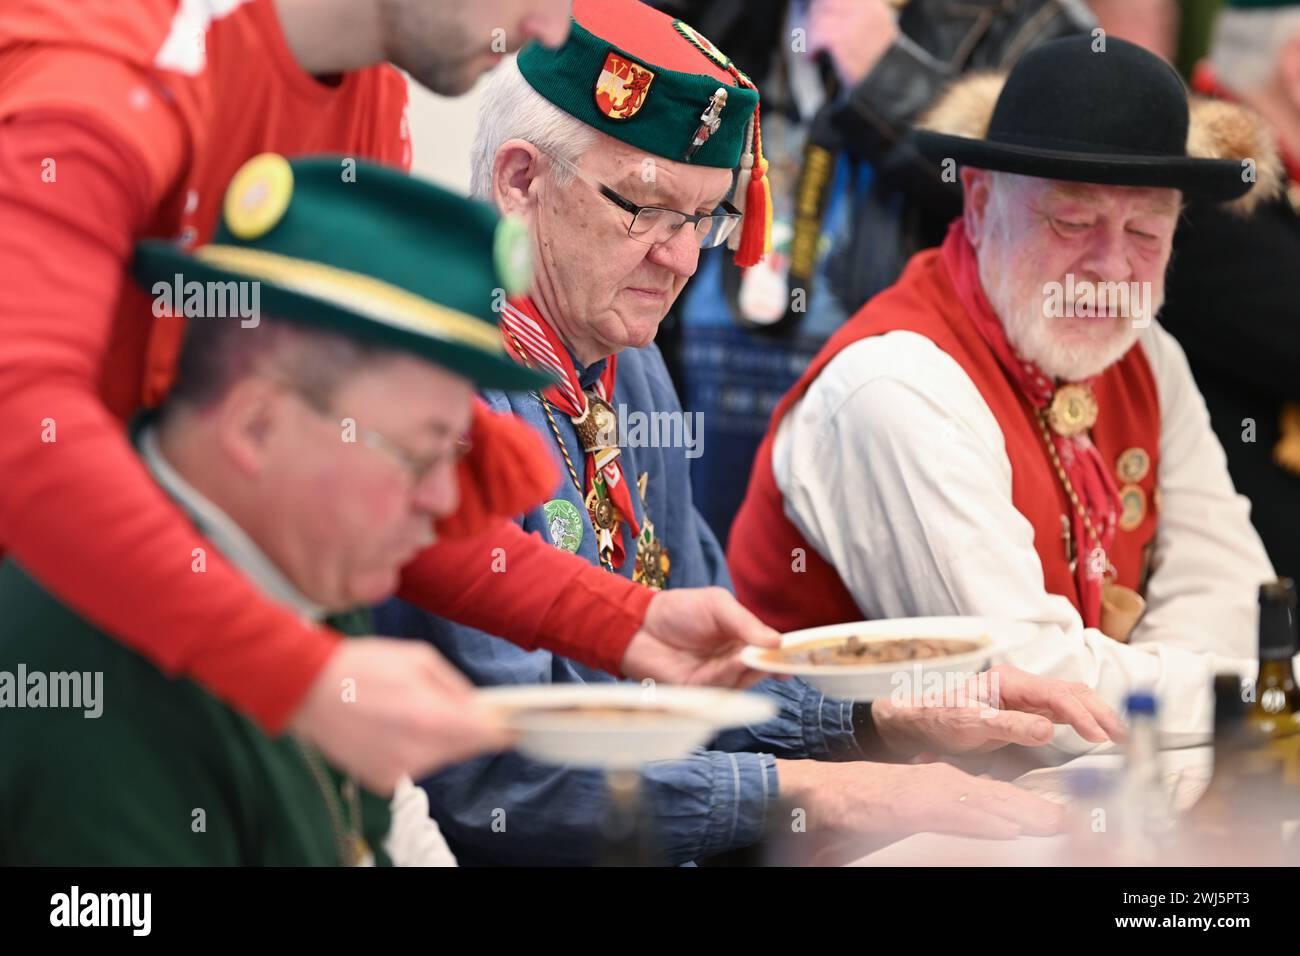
(1031, 333)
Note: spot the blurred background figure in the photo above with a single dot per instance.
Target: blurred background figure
(1153, 24)
(841, 80)
(1234, 289)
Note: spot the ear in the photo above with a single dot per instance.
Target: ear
(516, 173)
(976, 187)
(246, 419)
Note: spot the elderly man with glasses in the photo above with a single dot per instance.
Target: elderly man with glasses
(315, 450)
(618, 151)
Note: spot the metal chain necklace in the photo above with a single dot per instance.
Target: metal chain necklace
(1069, 486)
(348, 841)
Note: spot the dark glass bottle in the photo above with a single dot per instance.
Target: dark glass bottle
(1275, 712)
(1239, 817)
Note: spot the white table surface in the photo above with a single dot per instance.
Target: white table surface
(1192, 767)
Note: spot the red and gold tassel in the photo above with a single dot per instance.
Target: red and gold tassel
(753, 193)
(755, 231)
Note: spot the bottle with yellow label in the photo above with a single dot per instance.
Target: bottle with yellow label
(1275, 711)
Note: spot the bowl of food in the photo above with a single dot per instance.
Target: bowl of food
(621, 726)
(916, 657)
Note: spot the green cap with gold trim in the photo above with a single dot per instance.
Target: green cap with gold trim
(365, 251)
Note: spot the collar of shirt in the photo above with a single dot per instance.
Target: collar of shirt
(229, 538)
(587, 376)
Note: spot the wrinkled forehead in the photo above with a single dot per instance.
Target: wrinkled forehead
(1136, 200)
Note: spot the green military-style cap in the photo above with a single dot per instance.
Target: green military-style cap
(657, 84)
(375, 255)
(643, 78)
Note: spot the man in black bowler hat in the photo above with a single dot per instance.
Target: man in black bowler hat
(1006, 431)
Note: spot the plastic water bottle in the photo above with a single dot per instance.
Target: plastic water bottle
(1142, 800)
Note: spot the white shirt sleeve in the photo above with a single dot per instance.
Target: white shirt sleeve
(895, 470)
(414, 838)
(1208, 561)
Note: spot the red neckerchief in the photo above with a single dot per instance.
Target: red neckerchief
(524, 328)
(1205, 82)
(1079, 456)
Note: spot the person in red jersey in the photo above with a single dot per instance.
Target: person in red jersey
(122, 121)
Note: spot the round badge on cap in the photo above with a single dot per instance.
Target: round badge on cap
(512, 253)
(258, 196)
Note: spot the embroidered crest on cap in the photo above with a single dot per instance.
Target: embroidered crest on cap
(622, 86)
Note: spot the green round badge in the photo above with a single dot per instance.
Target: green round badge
(512, 253)
(564, 522)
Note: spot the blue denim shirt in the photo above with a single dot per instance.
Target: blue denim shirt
(507, 809)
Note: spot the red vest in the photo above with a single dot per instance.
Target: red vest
(791, 589)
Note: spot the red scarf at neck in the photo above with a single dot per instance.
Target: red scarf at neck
(1079, 457)
(527, 332)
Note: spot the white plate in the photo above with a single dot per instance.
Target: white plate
(697, 715)
(870, 681)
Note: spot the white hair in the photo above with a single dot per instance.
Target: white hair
(1245, 46)
(512, 109)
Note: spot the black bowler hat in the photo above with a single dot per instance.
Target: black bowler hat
(1099, 110)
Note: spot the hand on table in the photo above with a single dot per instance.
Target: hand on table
(897, 800)
(1005, 705)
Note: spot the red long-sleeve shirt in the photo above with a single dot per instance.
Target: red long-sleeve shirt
(125, 121)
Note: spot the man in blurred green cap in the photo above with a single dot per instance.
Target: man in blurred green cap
(313, 439)
(126, 121)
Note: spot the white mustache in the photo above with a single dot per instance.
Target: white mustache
(1073, 297)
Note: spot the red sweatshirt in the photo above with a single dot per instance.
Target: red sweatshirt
(123, 121)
